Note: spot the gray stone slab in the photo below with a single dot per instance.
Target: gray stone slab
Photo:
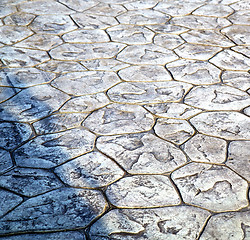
(6, 10)
(213, 10)
(19, 19)
(168, 41)
(7, 92)
(5, 160)
(79, 5)
(241, 5)
(167, 28)
(240, 17)
(236, 79)
(140, 4)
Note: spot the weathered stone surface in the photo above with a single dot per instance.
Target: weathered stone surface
(89, 82)
(7, 92)
(5, 160)
(207, 37)
(19, 19)
(168, 41)
(202, 148)
(57, 210)
(247, 111)
(140, 4)
(174, 130)
(238, 158)
(227, 125)
(53, 24)
(236, 79)
(86, 51)
(149, 73)
(79, 5)
(213, 10)
(146, 54)
(142, 153)
(29, 182)
(217, 97)
(142, 191)
(86, 36)
(159, 223)
(172, 110)
(241, 5)
(86, 103)
(243, 50)
(59, 122)
(195, 72)
(148, 92)
(167, 28)
(197, 52)
(212, 187)
(119, 119)
(89, 171)
(6, 10)
(24, 77)
(20, 57)
(142, 17)
(41, 42)
(9, 201)
(32, 104)
(130, 34)
(12, 134)
(240, 17)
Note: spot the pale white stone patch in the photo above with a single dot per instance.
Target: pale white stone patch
(240, 80)
(168, 41)
(213, 10)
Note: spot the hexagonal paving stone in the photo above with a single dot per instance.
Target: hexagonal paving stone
(212, 187)
(41, 42)
(19, 19)
(202, 148)
(227, 125)
(24, 77)
(168, 28)
(130, 34)
(238, 158)
(5, 160)
(142, 153)
(195, 72)
(173, 130)
(86, 36)
(86, 51)
(89, 171)
(119, 119)
(89, 82)
(149, 92)
(9, 201)
(149, 73)
(240, 17)
(29, 182)
(226, 226)
(57, 210)
(197, 52)
(168, 41)
(53, 24)
(79, 5)
(32, 104)
(207, 37)
(142, 17)
(236, 79)
(182, 222)
(142, 191)
(7, 92)
(20, 57)
(217, 97)
(213, 10)
(53, 149)
(146, 54)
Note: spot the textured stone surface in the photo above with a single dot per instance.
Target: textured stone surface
(7, 92)
(79, 5)
(168, 41)
(213, 10)
(5, 160)
(236, 79)
(19, 19)
(142, 153)
(240, 17)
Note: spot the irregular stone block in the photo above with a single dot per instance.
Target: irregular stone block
(168, 28)
(213, 10)
(7, 92)
(240, 17)
(6, 9)
(19, 19)
(140, 4)
(79, 5)
(168, 41)
(5, 161)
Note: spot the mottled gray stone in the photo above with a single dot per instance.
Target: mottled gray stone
(146, 54)
(89, 82)
(130, 34)
(57, 210)
(236, 79)
(53, 24)
(12, 134)
(238, 158)
(240, 5)
(119, 119)
(228, 226)
(168, 41)
(217, 97)
(202, 148)
(19, 19)
(172, 110)
(211, 186)
(86, 51)
(167, 28)
(243, 50)
(195, 72)
(213, 10)
(247, 111)
(240, 17)
(59, 122)
(6, 9)
(50, 150)
(24, 77)
(91, 170)
(5, 160)
(148, 92)
(29, 182)
(173, 130)
(142, 153)
(32, 103)
(140, 4)
(79, 5)
(143, 191)
(227, 125)
(7, 92)
(177, 223)
(8, 201)
(142, 17)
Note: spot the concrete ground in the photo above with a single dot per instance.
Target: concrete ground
(124, 119)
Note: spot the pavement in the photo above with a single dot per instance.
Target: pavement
(124, 120)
